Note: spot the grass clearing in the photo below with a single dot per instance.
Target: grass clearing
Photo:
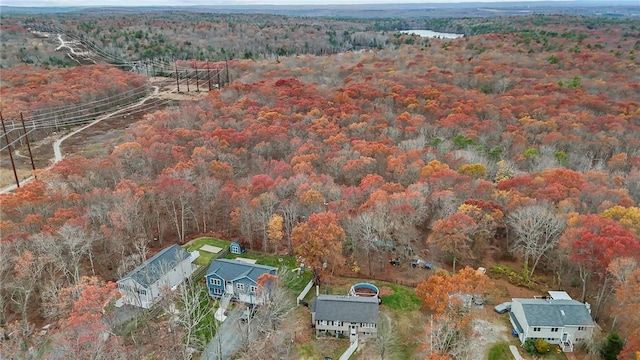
(205, 256)
(278, 261)
(403, 298)
(500, 351)
(320, 348)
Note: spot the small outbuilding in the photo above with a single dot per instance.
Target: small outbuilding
(236, 248)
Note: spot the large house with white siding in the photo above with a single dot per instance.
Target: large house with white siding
(557, 319)
(167, 269)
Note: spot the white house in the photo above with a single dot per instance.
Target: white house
(345, 315)
(558, 319)
(165, 270)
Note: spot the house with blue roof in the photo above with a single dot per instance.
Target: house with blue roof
(557, 319)
(237, 280)
(163, 272)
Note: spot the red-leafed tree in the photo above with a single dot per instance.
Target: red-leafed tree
(593, 242)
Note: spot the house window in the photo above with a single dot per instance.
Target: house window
(536, 329)
(240, 286)
(337, 323)
(217, 291)
(142, 292)
(579, 339)
(253, 289)
(322, 322)
(554, 329)
(582, 328)
(215, 282)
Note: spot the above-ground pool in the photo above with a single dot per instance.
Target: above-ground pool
(364, 289)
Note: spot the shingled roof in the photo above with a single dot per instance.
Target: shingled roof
(555, 312)
(232, 270)
(355, 309)
(152, 270)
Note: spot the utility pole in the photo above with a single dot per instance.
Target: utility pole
(26, 135)
(177, 81)
(226, 67)
(208, 76)
(6, 137)
(197, 82)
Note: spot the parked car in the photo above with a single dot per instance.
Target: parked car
(503, 308)
(394, 262)
(421, 263)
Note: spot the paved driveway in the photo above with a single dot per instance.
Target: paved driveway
(229, 338)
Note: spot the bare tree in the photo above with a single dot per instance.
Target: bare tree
(77, 245)
(290, 213)
(6, 266)
(191, 312)
(537, 228)
(278, 302)
(446, 337)
(361, 229)
(28, 270)
(208, 190)
(385, 340)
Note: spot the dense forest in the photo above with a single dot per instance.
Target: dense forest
(518, 143)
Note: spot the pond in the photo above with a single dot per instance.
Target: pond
(432, 34)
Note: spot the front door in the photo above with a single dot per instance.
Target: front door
(229, 287)
(353, 332)
(565, 337)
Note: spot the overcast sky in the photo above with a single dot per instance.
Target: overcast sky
(227, 2)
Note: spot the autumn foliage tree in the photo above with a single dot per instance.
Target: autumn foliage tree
(443, 297)
(319, 241)
(454, 236)
(594, 242)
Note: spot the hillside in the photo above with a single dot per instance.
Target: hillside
(444, 146)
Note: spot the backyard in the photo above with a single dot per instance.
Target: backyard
(206, 256)
(294, 282)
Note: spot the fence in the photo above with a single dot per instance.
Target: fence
(350, 350)
(304, 292)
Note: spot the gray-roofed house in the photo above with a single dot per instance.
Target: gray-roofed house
(561, 321)
(237, 280)
(167, 269)
(345, 315)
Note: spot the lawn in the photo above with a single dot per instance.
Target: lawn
(500, 351)
(205, 256)
(278, 261)
(319, 348)
(403, 298)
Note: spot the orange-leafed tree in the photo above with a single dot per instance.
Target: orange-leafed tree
(443, 297)
(438, 293)
(275, 230)
(319, 241)
(454, 236)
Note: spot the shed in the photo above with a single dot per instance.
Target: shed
(236, 248)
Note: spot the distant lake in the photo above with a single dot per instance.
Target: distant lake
(432, 34)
